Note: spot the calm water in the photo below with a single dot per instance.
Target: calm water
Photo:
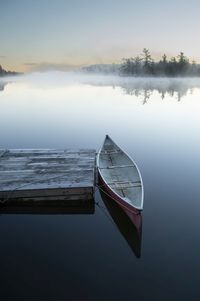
(85, 257)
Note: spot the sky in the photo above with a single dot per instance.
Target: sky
(63, 34)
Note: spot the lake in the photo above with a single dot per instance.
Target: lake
(86, 257)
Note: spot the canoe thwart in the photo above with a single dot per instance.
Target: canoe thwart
(117, 166)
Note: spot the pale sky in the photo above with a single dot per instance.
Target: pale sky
(63, 33)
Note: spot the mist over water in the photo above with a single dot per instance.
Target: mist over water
(63, 104)
(176, 87)
(86, 257)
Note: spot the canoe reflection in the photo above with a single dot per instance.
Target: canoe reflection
(129, 226)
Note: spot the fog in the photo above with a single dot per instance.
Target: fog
(138, 86)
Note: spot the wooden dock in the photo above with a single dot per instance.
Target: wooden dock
(47, 178)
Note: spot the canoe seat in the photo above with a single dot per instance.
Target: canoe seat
(108, 152)
(124, 185)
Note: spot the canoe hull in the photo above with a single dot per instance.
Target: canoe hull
(133, 213)
(116, 197)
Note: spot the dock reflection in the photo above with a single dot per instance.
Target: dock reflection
(84, 207)
(129, 226)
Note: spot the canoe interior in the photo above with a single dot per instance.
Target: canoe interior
(121, 173)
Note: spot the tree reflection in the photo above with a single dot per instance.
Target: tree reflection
(145, 88)
(2, 85)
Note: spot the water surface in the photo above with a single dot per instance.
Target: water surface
(86, 257)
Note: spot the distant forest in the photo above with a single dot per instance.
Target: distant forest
(144, 65)
(7, 73)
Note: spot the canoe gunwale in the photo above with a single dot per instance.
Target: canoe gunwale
(125, 204)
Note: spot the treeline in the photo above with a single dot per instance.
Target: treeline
(7, 73)
(144, 65)
(102, 68)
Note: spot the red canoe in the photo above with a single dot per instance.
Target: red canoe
(120, 177)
